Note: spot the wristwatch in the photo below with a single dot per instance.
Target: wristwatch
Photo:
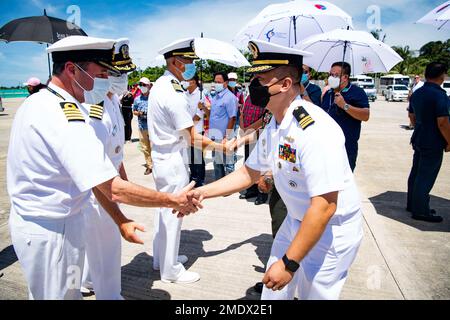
(346, 107)
(290, 265)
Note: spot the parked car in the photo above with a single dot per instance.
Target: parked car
(1, 105)
(397, 93)
(370, 90)
(446, 87)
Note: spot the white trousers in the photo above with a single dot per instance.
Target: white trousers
(170, 175)
(323, 271)
(51, 254)
(103, 253)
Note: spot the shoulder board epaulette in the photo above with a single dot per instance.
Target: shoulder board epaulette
(303, 117)
(177, 86)
(96, 111)
(71, 111)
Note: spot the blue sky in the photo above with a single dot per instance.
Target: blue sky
(151, 25)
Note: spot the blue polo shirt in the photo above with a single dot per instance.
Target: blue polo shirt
(314, 92)
(356, 97)
(141, 104)
(429, 103)
(224, 106)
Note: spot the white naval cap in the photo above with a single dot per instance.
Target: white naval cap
(83, 48)
(268, 56)
(183, 48)
(121, 59)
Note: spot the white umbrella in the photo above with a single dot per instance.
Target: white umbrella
(360, 49)
(289, 23)
(219, 51)
(438, 17)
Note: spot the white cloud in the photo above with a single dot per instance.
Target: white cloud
(51, 10)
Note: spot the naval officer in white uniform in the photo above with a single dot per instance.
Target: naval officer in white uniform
(171, 130)
(102, 266)
(54, 161)
(305, 150)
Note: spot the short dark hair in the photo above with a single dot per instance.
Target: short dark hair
(435, 69)
(346, 68)
(292, 71)
(58, 67)
(223, 74)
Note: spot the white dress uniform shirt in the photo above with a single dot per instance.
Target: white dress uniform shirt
(53, 164)
(307, 163)
(168, 117)
(110, 130)
(194, 99)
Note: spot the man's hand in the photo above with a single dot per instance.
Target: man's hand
(194, 196)
(229, 146)
(339, 100)
(128, 231)
(447, 149)
(184, 202)
(277, 277)
(265, 183)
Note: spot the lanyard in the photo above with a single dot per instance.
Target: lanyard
(55, 93)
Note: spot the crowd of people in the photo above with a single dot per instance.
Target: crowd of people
(301, 148)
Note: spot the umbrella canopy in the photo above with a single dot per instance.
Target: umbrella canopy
(43, 29)
(219, 51)
(289, 23)
(360, 49)
(438, 17)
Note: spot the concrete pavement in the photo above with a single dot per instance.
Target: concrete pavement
(229, 242)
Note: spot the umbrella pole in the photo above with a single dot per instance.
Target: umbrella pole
(295, 29)
(48, 62)
(342, 66)
(201, 74)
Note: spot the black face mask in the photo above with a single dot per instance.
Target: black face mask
(259, 94)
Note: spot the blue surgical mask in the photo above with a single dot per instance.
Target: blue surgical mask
(232, 84)
(304, 78)
(219, 87)
(190, 70)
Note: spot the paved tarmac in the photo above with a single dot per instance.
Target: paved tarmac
(229, 241)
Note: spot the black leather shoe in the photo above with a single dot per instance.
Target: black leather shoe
(432, 211)
(261, 199)
(258, 287)
(427, 217)
(248, 195)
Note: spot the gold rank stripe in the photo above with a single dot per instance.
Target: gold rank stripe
(96, 111)
(91, 114)
(97, 108)
(259, 62)
(306, 122)
(183, 53)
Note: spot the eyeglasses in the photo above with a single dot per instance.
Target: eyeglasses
(142, 84)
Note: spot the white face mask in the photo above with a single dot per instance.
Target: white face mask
(333, 82)
(219, 87)
(144, 90)
(119, 85)
(98, 92)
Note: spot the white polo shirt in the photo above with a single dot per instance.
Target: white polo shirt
(53, 163)
(168, 115)
(109, 130)
(307, 162)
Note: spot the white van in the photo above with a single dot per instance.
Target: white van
(391, 80)
(446, 87)
(367, 84)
